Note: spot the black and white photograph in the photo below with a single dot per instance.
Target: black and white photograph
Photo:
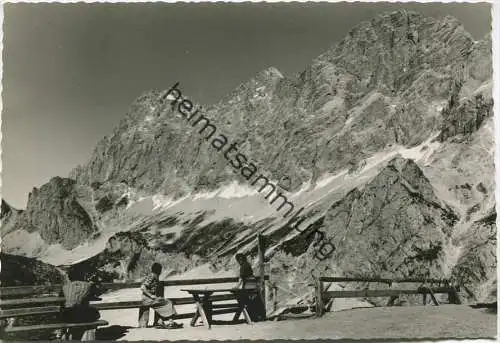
(248, 171)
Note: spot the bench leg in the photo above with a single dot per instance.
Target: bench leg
(207, 306)
(195, 318)
(203, 315)
(243, 301)
(454, 298)
(247, 316)
(237, 315)
(434, 300)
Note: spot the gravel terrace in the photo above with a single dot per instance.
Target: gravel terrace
(416, 322)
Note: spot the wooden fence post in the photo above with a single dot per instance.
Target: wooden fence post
(275, 297)
(319, 297)
(453, 297)
(262, 284)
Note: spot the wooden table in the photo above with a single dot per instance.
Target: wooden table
(205, 306)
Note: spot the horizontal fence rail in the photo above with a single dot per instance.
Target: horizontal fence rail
(103, 305)
(381, 280)
(30, 311)
(25, 306)
(427, 287)
(29, 301)
(367, 293)
(33, 290)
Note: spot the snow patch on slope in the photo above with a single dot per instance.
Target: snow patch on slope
(22, 242)
(55, 254)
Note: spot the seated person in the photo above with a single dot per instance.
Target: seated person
(151, 288)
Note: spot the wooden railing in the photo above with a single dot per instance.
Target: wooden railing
(427, 287)
(48, 299)
(54, 289)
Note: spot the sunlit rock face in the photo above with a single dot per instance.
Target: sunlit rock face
(394, 225)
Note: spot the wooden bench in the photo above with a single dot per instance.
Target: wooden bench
(26, 307)
(90, 325)
(427, 288)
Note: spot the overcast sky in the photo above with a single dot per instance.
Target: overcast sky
(72, 70)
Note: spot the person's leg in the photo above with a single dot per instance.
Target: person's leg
(143, 316)
(89, 335)
(157, 319)
(77, 334)
(165, 314)
(71, 315)
(169, 323)
(89, 314)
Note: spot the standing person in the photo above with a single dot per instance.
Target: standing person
(78, 294)
(248, 281)
(164, 309)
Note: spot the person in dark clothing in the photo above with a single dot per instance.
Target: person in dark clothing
(246, 273)
(78, 293)
(255, 307)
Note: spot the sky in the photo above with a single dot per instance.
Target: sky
(71, 71)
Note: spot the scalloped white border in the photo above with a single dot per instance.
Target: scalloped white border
(495, 42)
(495, 45)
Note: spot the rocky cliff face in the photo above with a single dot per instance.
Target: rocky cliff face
(8, 216)
(399, 84)
(386, 83)
(395, 225)
(55, 213)
(477, 266)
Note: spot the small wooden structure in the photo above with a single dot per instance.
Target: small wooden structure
(262, 286)
(206, 307)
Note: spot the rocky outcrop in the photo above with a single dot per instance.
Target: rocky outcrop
(462, 117)
(128, 256)
(477, 268)
(20, 270)
(8, 217)
(55, 213)
(394, 225)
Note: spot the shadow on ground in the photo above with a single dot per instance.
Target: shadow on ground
(488, 307)
(111, 333)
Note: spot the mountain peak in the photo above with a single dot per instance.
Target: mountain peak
(266, 77)
(269, 73)
(5, 209)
